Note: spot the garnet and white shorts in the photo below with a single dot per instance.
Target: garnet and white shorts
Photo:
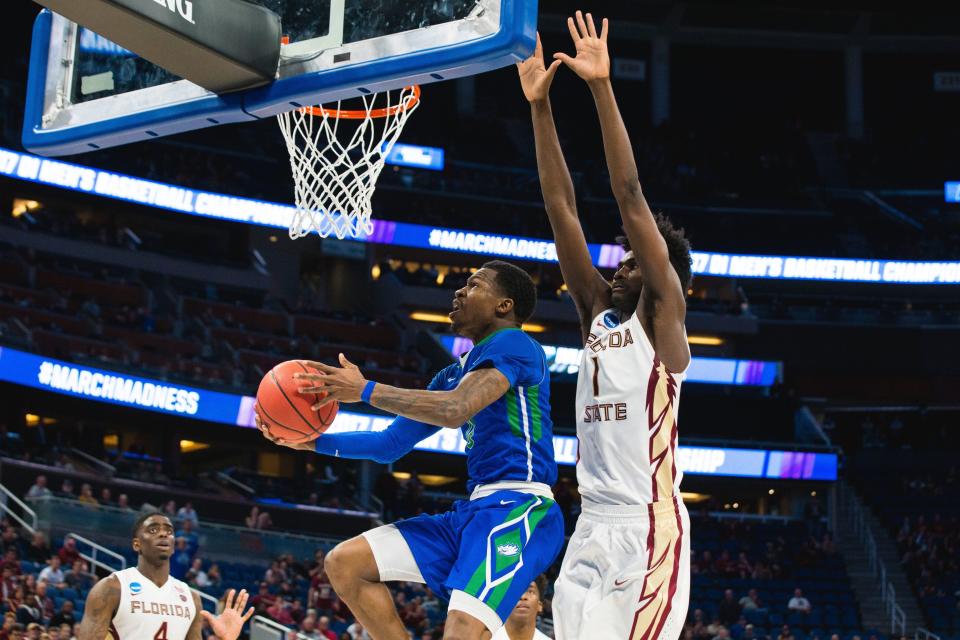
(626, 574)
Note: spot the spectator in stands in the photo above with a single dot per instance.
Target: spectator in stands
(170, 510)
(196, 576)
(308, 629)
(749, 633)
(68, 553)
(253, 518)
(86, 495)
(262, 600)
(722, 634)
(63, 462)
(123, 502)
(39, 488)
(187, 533)
(39, 549)
(26, 611)
(8, 583)
(786, 633)
(356, 632)
(16, 632)
(323, 627)
(106, 496)
(9, 619)
(751, 601)
(321, 593)
(11, 560)
(65, 615)
(11, 540)
(213, 576)
(186, 513)
(181, 559)
(799, 604)
(79, 576)
(41, 601)
(66, 489)
(34, 629)
(280, 611)
(729, 608)
(52, 573)
(297, 611)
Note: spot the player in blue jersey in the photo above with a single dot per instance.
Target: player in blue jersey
(483, 554)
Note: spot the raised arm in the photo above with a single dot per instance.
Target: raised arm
(663, 292)
(101, 606)
(450, 409)
(587, 287)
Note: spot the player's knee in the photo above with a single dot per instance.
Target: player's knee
(336, 564)
(460, 626)
(349, 562)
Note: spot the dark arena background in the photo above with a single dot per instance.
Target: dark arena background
(809, 150)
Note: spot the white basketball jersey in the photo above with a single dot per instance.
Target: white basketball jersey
(626, 416)
(149, 612)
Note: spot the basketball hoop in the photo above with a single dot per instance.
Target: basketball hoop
(336, 156)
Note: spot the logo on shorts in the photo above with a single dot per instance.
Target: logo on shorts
(611, 319)
(508, 549)
(135, 588)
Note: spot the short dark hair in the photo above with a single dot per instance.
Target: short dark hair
(677, 245)
(541, 582)
(516, 284)
(139, 523)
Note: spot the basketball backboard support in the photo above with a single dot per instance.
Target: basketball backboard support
(86, 93)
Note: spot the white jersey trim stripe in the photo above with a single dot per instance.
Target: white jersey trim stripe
(526, 431)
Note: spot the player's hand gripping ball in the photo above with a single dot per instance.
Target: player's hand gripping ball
(286, 416)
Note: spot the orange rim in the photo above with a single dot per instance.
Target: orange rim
(363, 114)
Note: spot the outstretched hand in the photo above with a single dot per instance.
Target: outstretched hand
(229, 623)
(592, 61)
(343, 384)
(535, 76)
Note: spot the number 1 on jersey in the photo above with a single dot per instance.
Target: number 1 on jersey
(596, 376)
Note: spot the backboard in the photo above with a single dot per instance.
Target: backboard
(85, 92)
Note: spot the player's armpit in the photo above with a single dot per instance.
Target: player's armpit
(101, 606)
(669, 337)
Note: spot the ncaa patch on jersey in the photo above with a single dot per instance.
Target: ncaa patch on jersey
(135, 588)
(611, 319)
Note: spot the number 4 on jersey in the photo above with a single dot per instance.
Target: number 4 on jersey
(161, 633)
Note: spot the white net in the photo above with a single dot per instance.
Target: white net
(336, 157)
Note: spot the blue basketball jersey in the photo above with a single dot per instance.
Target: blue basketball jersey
(512, 438)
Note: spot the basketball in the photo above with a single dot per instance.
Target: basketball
(288, 414)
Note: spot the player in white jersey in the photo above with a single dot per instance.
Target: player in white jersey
(522, 623)
(626, 571)
(147, 603)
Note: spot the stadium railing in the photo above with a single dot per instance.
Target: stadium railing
(97, 551)
(111, 525)
(861, 528)
(108, 468)
(923, 634)
(263, 628)
(28, 519)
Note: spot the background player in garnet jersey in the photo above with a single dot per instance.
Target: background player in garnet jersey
(147, 603)
(626, 570)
